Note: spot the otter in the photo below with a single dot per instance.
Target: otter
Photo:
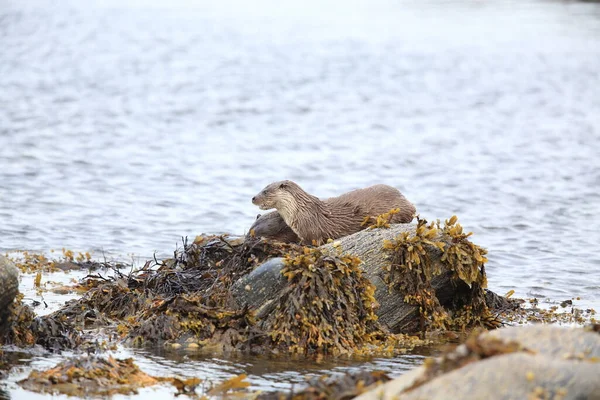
(315, 220)
(272, 226)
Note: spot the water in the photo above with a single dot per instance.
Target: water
(125, 125)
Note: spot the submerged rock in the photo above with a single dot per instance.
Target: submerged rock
(545, 362)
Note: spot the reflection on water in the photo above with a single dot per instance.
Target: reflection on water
(125, 124)
(268, 372)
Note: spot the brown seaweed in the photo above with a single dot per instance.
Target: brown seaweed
(411, 271)
(80, 376)
(328, 305)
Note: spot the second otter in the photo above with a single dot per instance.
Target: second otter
(315, 220)
(273, 227)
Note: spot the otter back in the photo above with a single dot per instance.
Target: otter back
(344, 215)
(376, 200)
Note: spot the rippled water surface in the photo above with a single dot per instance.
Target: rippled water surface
(125, 125)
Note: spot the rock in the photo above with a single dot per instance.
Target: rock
(553, 341)
(259, 289)
(510, 363)
(266, 282)
(9, 282)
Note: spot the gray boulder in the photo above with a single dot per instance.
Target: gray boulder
(546, 362)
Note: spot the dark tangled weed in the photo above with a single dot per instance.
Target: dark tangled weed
(116, 299)
(24, 329)
(187, 296)
(210, 265)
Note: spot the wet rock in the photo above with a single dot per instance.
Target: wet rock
(512, 363)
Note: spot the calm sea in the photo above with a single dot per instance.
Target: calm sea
(125, 125)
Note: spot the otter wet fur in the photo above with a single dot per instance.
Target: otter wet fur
(315, 220)
(272, 226)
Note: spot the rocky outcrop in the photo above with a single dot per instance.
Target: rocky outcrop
(259, 289)
(538, 362)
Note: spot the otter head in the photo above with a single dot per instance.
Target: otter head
(277, 195)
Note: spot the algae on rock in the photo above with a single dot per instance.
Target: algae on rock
(350, 296)
(327, 306)
(411, 271)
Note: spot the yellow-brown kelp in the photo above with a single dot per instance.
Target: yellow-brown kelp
(328, 306)
(80, 376)
(411, 272)
(380, 221)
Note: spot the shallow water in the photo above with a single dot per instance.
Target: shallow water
(125, 125)
(264, 373)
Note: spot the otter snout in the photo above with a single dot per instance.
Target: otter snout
(271, 195)
(260, 200)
